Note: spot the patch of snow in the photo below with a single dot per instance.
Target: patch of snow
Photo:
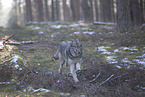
(58, 26)
(65, 94)
(14, 59)
(130, 48)
(143, 88)
(111, 59)
(52, 36)
(125, 60)
(36, 28)
(87, 32)
(102, 48)
(74, 25)
(143, 55)
(106, 53)
(1, 45)
(17, 66)
(117, 51)
(138, 57)
(40, 33)
(140, 61)
(20, 69)
(84, 29)
(119, 67)
(41, 89)
(100, 33)
(76, 32)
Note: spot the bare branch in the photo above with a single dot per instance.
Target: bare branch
(95, 78)
(119, 76)
(107, 79)
(9, 38)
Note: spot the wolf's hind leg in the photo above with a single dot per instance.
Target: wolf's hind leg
(73, 72)
(61, 64)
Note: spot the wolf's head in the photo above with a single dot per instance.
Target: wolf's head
(76, 49)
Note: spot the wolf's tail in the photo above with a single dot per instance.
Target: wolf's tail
(55, 55)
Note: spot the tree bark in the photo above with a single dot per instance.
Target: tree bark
(136, 12)
(96, 10)
(75, 6)
(46, 11)
(106, 10)
(66, 12)
(28, 10)
(52, 10)
(87, 11)
(40, 14)
(124, 22)
(57, 10)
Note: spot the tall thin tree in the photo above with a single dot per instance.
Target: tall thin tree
(75, 6)
(124, 22)
(57, 9)
(96, 10)
(87, 11)
(46, 10)
(106, 12)
(136, 12)
(52, 10)
(28, 10)
(40, 13)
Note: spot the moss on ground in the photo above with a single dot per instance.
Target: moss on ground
(99, 43)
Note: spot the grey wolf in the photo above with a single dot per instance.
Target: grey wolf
(70, 53)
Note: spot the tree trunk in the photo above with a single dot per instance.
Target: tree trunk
(64, 9)
(46, 11)
(137, 14)
(87, 11)
(106, 10)
(142, 7)
(52, 10)
(40, 14)
(75, 6)
(96, 10)
(57, 10)
(91, 9)
(124, 23)
(28, 10)
(66, 12)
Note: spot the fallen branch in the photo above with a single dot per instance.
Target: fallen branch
(119, 76)
(95, 78)
(23, 42)
(8, 38)
(104, 23)
(107, 79)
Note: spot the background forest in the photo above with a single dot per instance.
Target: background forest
(112, 33)
(127, 14)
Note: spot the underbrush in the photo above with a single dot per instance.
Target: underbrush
(112, 65)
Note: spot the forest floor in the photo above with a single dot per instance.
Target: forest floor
(112, 66)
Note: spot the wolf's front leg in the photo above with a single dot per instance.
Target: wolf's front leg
(78, 66)
(73, 72)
